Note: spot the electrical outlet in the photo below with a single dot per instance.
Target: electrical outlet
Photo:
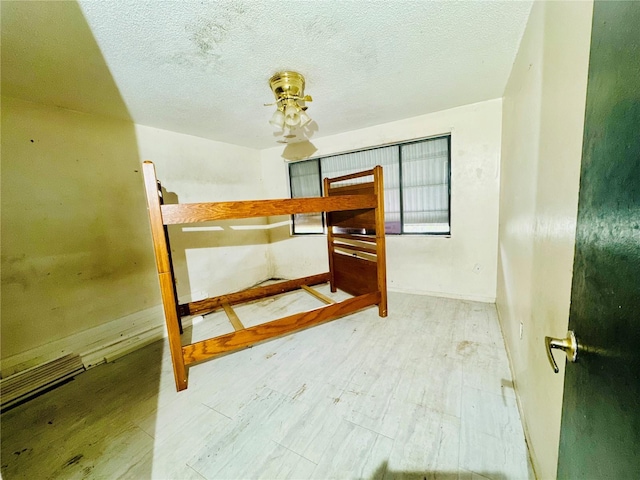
(521, 329)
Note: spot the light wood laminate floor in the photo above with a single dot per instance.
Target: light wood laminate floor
(423, 393)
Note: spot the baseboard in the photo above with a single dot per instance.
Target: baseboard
(456, 296)
(516, 389)
(97, 345)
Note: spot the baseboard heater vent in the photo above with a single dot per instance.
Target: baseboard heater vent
(30, 382)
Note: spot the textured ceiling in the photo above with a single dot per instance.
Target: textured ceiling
(202, 68)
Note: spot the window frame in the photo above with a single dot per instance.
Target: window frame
(399, 156)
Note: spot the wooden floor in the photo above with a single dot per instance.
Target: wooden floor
(423, 393)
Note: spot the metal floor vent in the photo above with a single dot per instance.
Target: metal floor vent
(32, 381)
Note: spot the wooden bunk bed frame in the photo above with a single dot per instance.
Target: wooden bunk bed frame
(357, 262)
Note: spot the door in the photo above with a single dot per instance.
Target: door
(600, 432)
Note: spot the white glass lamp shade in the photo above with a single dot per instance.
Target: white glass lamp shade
(291, 116)
(277, 120)
(304, 118)
(288, 133)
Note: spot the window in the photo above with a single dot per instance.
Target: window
(416, 185)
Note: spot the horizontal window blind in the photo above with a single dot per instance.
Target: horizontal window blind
(425, 186)
(305, 182)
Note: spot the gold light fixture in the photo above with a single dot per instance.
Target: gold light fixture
(290, 114)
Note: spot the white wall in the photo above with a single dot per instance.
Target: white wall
(193, 169)
(75, 236)
(543, 115)
(78, 274)
(463, 265)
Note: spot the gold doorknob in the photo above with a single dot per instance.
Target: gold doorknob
(568, 345)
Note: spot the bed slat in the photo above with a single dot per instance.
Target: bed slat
(233, 318)
(318, 295)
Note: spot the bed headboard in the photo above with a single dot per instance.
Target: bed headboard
(356, 238)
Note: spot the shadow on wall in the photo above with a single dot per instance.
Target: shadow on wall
(76, 245)
(216, 240)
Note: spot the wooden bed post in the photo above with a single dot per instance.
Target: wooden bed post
(378, 188)
(165, 275)
(332, 282)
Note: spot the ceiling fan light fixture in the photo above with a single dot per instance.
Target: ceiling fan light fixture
(288, 133)
(277, 120)
(292, 115)
(305, 119)
(288, 89)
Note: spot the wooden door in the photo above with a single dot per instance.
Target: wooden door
(600, 433)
